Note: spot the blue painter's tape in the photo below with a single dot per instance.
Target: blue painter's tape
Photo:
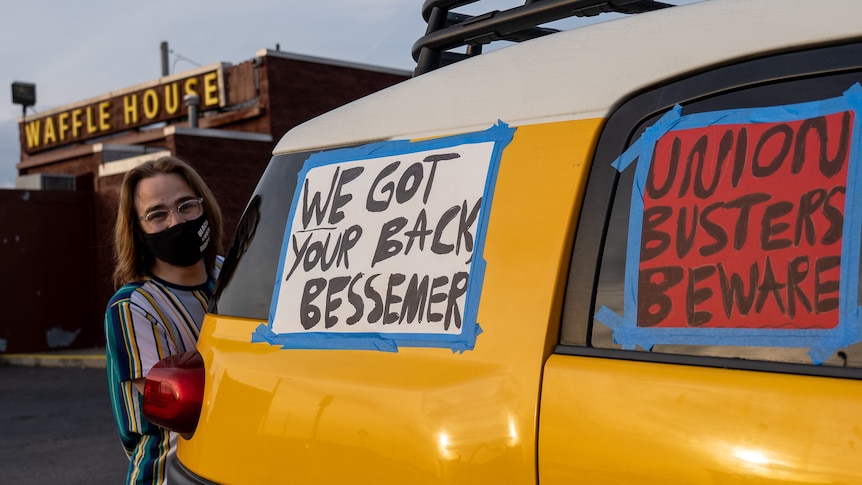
(821, 343)
(618, 324)
(321, 340)
(654, 132)
(849, 329)
(500, 135)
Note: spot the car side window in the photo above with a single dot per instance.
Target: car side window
(731, 221)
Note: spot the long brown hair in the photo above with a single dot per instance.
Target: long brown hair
(132, 257)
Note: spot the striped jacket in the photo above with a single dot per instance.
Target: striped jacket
(145, 322)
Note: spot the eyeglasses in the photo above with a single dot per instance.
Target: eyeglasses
(187, 211)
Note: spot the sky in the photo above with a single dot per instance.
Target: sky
(77, 50)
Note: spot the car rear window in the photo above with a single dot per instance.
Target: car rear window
(244, 288)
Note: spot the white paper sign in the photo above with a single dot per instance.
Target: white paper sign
(385, 246)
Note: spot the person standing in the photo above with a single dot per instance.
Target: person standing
(167, 244)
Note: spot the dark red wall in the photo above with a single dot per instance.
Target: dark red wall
(48, 289)
(300, 90)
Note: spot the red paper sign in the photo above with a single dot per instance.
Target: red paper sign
(742, 226)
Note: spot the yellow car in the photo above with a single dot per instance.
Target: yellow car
(627, 252)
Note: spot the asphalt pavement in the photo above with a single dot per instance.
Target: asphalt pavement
(56, 424)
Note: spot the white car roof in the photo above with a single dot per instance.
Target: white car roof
(581, 73)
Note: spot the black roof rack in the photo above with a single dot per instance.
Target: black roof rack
(450, 30)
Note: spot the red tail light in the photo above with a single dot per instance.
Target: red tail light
(174, 392)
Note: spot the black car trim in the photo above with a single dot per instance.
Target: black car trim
(179, 474)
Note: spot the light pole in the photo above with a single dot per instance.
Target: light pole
(24, 94)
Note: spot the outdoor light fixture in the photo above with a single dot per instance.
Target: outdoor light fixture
(24, 94)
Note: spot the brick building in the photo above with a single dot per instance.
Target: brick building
(223, 119)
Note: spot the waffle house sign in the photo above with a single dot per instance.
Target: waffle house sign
(130, 108)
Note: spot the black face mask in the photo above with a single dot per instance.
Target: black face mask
(181, 245)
